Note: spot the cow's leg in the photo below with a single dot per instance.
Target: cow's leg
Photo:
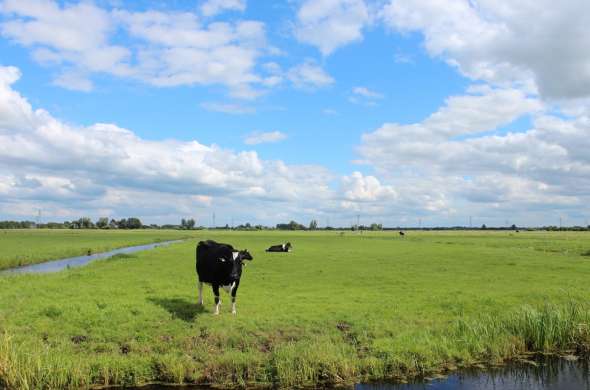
(200, 293)
(217, 299)
(234, 291)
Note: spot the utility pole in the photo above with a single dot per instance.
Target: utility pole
(213, 220)
(560, 223)
(358, 218)
(470, 224)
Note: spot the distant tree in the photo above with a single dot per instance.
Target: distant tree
(113, 224)
(313, 225)
(513, 227)
(187, 224)
(376, 226)
(134, 223)
(102, 223)
(484, 227)
(83, 223)
(122, 223)
(290, 226)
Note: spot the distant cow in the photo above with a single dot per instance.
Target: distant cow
(280, 248)
(220, 265)
(402, 233)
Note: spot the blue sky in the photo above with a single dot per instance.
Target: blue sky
(396, 110)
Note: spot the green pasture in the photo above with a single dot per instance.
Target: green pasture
(21, 247)
(337, 310)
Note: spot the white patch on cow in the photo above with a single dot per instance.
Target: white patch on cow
(222, 259)
(283, 247)
(233, 308)
(235, 255)
(229, 288)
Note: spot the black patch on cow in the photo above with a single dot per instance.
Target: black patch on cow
(280, 248)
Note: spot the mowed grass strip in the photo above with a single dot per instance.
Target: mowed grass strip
(20, 247)
(337, 310)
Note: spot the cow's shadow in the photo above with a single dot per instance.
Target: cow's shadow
(179, 307)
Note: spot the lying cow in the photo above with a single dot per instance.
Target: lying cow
(220, 265)
(402, 233)
(280, 248)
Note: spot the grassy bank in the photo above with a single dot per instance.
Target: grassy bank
(339, 309)
(23, 247)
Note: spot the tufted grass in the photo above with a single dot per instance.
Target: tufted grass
(337, 310)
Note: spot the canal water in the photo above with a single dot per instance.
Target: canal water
(548, 374)
(79, 261)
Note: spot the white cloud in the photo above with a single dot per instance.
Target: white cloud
(457, 154)
(89, 169)
(228, 108)
(165, 48)
(358, 187)
(213, 7)
(309, 75)
(257, 137)
(74, 82)
(367, 93)
(540, 45)
(330, 24)
(364, 96)
(75, 34)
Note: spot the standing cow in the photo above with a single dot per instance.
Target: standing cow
(220, 265)
(280, 248)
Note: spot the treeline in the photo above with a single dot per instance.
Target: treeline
(190, 224)
(101, 223)
(313, 225)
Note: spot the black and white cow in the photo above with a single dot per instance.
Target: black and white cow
(280, 248)
(220, 265)
(402, 233)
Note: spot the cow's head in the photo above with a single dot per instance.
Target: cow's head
(236, 272)
(288, 246)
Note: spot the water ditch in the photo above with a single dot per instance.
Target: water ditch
(79, 261)
(545, 373)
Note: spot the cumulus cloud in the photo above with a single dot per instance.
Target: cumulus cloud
(258, 137)
(167, 48)
(330, 24)
(458, 152)
(505, 42)
(358, 187)
(44, 161)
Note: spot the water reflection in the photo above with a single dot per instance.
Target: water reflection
(549, 374)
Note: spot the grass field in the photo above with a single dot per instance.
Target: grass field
(337, 310)
(22, 247)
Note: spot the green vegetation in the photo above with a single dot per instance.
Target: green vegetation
(30, 246)
(339, 309)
